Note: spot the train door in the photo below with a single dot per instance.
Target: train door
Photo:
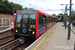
(47, 22)
(44, 22)
(25, 23)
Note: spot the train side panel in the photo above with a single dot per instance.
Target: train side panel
(14, 23)
(42, 30)
(37, 25)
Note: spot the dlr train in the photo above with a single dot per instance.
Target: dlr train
(31, 24)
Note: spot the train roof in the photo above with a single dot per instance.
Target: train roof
(41, 12)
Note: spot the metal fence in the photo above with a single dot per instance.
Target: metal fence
(4, 22)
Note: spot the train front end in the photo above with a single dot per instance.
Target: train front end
(24, 25)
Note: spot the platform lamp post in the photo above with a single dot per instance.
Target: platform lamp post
(30, 5)
(13, 13)
(69, 28)
(65, 14)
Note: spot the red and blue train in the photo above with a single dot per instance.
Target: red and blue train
(31, 24)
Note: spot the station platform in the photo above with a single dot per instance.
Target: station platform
(3, 29)
(54, 39)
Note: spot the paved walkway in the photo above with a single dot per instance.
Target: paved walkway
(3, 28)
(59, 40)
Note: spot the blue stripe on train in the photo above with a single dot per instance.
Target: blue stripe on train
(41, 30)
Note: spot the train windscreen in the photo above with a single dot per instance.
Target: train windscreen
(26, 20)
(32, 21)
(18, 21)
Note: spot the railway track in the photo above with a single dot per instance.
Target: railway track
(23, 46)
(5, 33)
(15, 45)
(5, 37)
(9, 45)
(7, 42)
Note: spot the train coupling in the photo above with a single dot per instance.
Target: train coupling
(22, 40)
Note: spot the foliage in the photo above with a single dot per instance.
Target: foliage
(72, 16)
(60, 14)
(28, 8)
(54, 15)
(25, 8)
(31, 9)
(8, 7)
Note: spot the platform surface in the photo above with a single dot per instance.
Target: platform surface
(4, 28)
(36, 44)
(59, 40)
(56, 40)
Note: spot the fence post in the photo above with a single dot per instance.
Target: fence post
(9, 21)
(2, 22)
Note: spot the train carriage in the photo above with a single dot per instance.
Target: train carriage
(31, 24)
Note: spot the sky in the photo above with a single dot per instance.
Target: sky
(48, 6)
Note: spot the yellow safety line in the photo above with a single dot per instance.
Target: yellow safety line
(45, 37)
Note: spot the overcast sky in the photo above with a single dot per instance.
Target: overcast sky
(48, 6)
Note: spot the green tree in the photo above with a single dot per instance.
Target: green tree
(72, 16)
(18, 6)
(1, 0)
(25, 8)
(4, 6)
(28, 8)
(31, 9)
(60, 14)
(54, 15)
(13, 6)
(7, 7)
(1, 6)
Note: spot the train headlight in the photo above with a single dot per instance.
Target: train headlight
(33, 32)
(16, 30)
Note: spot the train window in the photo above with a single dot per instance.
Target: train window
(47, 23)
(25, 21)
(18, 20)
(44, 20)
(40, 21)
(32, 21)
(48, 20)
(51, 20)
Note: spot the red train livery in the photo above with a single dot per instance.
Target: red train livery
(31, 24)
